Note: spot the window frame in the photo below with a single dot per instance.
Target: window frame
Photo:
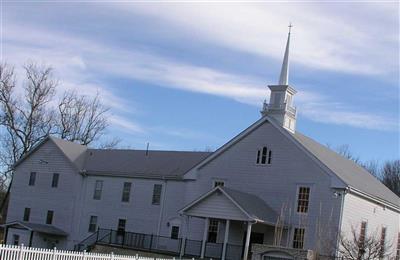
(49, 217)
(55, 180)
(215, 183)
(98, 191)
(264, 156)
(307, 206)
(16, 239)
(264, 152)
(298, 238)
(93, 224)
(32, 179)
(126, 192)
(213, 228)
(121, 228)
(362, 235)
(363, 231)
(156, 198)
(383, 241)
(174, 235)
(27, 214)
(269, 158)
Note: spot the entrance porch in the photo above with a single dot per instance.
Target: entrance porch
(233, 220)
(34, 235)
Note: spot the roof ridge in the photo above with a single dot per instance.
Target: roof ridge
(144, 150)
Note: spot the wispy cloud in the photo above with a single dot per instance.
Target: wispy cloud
(80, 60)
(125, 125)
(326, 36)
(336, 113)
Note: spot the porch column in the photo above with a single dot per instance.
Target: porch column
(186, 234)
(203, 244)
(246, 245)
(5, 235)
(225, 239)
(30, 238)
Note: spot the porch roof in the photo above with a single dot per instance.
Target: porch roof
(251, 207)
(40, 228)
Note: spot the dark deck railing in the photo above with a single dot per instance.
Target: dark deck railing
(160, 244)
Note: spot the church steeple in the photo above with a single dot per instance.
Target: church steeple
(284, 77)
(280, 105)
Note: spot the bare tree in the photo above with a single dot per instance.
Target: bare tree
(344, 150)
(81, 119)
(372, 167)
(390, 175)
(362, 247)
(27, 118)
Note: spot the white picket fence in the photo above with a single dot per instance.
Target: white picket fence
(10, 252)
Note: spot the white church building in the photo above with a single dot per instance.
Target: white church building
(270, 185)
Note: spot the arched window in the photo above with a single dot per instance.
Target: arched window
(264, 156)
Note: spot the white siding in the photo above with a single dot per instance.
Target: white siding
(276, 183)
(357, 209)
(42, 197)
(141, 215)
(217, 206)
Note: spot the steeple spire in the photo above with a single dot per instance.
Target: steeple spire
(280, 107)
(284, 77)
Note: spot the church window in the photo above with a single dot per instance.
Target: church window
(269, 156)
(27, 213)
(49, 218)
(382, 242)
(175, 232)
(303, 199)
(219, 183)
(98, 187)
(157, 189)
(32, 179)
(264, 156)
(213, 230)
(92, 224)
(15, 240)
(298, 238)
(126, 191)
(361, 238)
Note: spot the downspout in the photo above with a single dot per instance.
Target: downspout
(340, 223)
(164, 194)
(81, 200)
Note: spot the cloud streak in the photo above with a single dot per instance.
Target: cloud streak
(331, 39)
(79, 60)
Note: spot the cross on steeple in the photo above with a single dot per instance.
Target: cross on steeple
(290, 27)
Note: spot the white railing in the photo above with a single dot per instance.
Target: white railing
(286, 106)
(10, 252)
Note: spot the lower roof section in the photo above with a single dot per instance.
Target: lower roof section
(226, 203)
(40, 228)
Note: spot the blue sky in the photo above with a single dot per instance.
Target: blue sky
(190, 76)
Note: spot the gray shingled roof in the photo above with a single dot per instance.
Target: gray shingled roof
(40, 228)
(73, 151)
(253, 205)
(136, 163)
(174, 164)
(348, 171)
